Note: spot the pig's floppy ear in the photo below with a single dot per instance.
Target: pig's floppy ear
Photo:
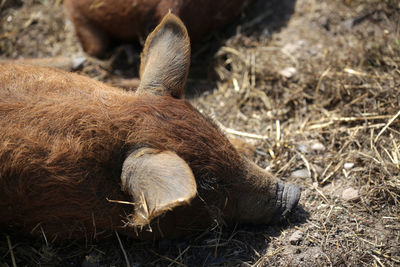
(158, 181)
(165, 59)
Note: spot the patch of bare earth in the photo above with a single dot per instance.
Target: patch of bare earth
(317, 92)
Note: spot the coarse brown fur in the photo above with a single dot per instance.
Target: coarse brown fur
(60, 128)
(97, 22)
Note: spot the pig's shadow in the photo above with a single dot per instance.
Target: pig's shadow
(260, 19)
(229, 246)
(232, 246)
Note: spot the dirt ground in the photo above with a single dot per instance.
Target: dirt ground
(313, 85)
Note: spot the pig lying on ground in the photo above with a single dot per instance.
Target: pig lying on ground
(80, 159)
(97, 22)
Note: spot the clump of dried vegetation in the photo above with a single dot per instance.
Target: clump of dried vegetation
(315, 86)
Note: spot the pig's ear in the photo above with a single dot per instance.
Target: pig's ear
(158, 181)
(165, 59)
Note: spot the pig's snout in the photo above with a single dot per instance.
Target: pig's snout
(287, 197)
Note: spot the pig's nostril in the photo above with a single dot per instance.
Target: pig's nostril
(287, 197)
(290, 198)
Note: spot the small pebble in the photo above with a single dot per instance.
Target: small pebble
(350, 194)
(309, 146)
(288, 72)
(302, 173)
(348, 165)
(296, 237)
(317, 146)
(348, 24)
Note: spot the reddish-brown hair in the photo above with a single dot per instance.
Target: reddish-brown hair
(66, 136)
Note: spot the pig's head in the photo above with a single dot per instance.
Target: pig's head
(191, 172)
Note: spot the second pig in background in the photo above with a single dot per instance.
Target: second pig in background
(99, 22)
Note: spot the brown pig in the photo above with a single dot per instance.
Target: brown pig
(98, 21)
(80, 159)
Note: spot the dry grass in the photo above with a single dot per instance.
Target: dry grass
(319, 97)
